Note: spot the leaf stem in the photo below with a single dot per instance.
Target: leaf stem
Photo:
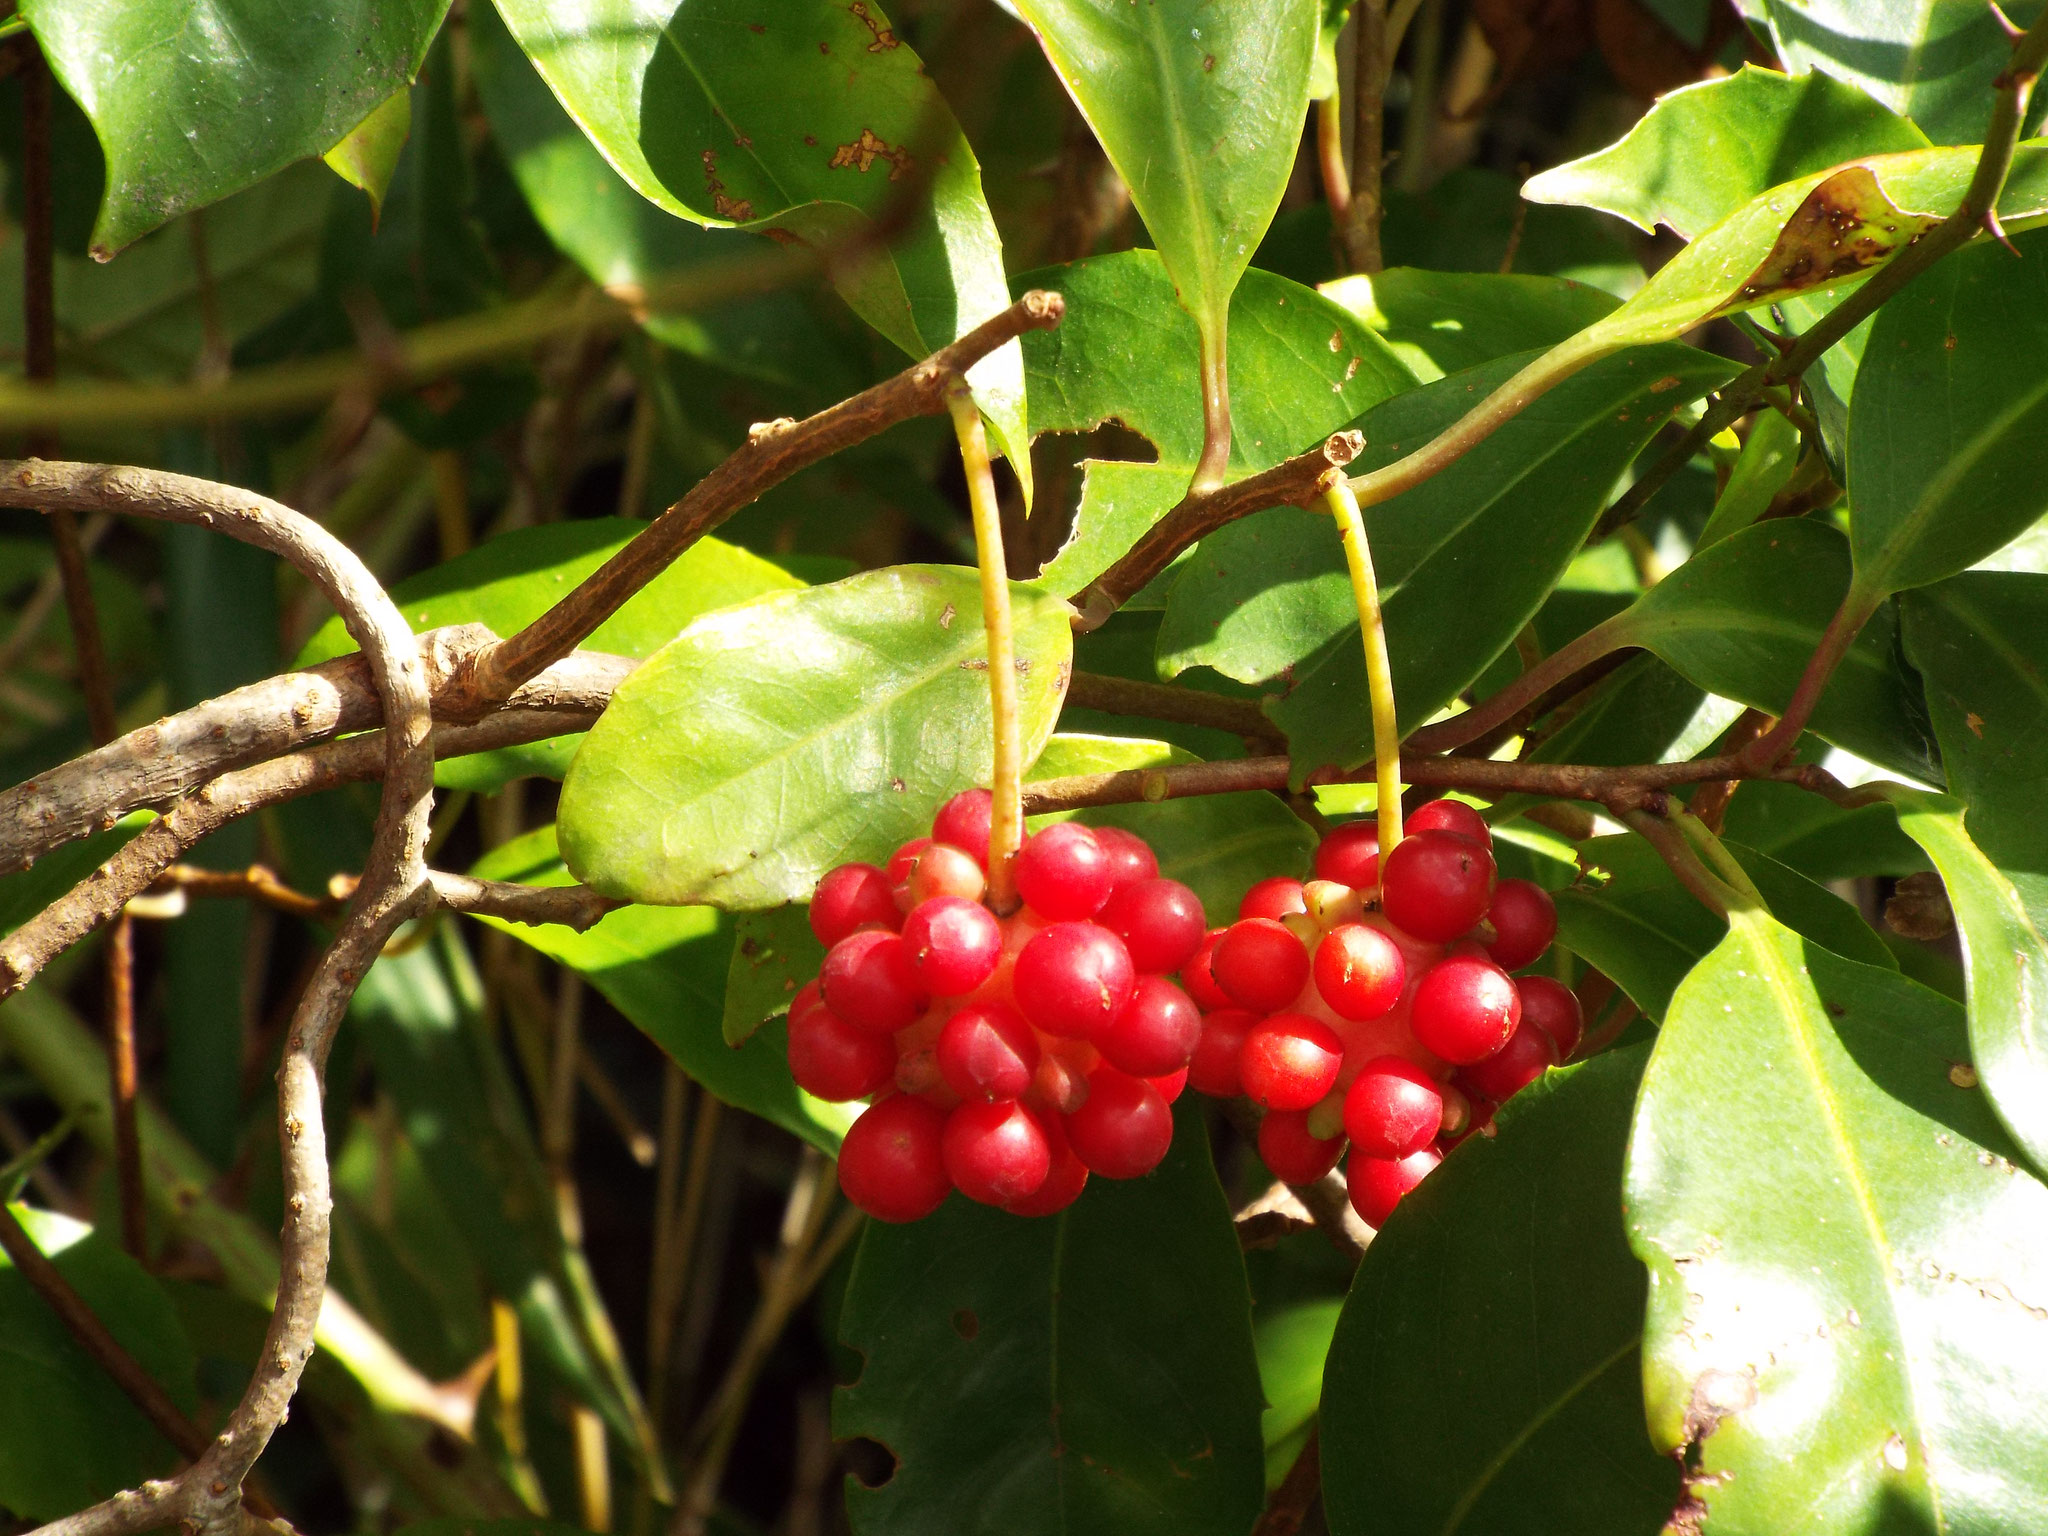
(1379, 676)
(1775, 744)
(1209, 471)
(1330, 157)
(1006, 819)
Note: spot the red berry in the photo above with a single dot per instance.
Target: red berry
(832, 1060)
(1290, 1061)
(1511, 1068)
(1063, 872)
(963, 823)
(1359, 971)
(1351, 855)
(1524, 921)
(1131, 858)
(1378, 1183)
(1436, 885)
(851, 897)
(987, 1052)
(1156, 1032)
(1200, 979)
(954, 944)
(1160, 922)
(892, 1163)
(1124, 1128)
(1553, 1008)
(941, 870)
(1393, 1108)
(1259, 964)
(898, 867)
(1287, 1148)
(1454, 817)
(1066, 1178)
(869, 981)
(1273, 898)
(1214, 1067)
(1465, 1009)
(1074, 979)
(1170, 1085)
(995, 1153)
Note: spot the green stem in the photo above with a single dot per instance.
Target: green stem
(1379, 675)
(1215, 460)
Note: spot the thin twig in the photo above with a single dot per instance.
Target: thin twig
(1158, 701)
(122, 1084)
(1368, 135)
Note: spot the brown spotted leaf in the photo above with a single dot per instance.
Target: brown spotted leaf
(1844, 229)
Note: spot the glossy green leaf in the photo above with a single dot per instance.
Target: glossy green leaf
(1199, 107)
(1761, 470)
(806, 119)
(1491, 1338)
(1933, 60)
(1948, 428)
(1842, 1261)
(1217, 845)
(1820, 839)
(1446, 322)
(368, 155)
(1703, 151)
(1292, 1344)
(773, 954)
(511, 580)
(68, 1436)
(665, 968)
(1090, 1371)
(1454, 596)
(192, 105)
(775, 739)
(1646, 931)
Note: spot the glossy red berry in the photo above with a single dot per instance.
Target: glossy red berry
(1293, 1155)
(1131, 858)
(1453, 816)
(1156, 1033)
(832, 1060)
(1553, 1008)
(1465, 1009)
(1074, 979)
(1350, 855)
(850, 897)
(1513, 1067)
(1273, 898)
(940, 869)
(1160, 922)
(900, 862)
(1170, 1085)
(1259, 964)
(1436, 885)
(1124, 1128)
(1198, 976)
(1393, 1108)
(954, 944)
(1290, 1061)
(1063, 872)
(1378, 1183)
(987, 1051)
(892, 1163)
(1359, 971)
(1065, 1179)
(995, 1153)
(1214, 1067)
(869, 981)
(963, 823)
(1524, 921)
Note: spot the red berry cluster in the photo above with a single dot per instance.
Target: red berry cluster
(1008, 1057)
(1376, 1006)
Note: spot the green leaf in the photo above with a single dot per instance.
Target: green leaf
(1646, 931)
(1820, 839)
(1464, 560)
(1840, 1257)
(1217, 845)
(1948, 428)
(1491, 1338)
(1089, 1371)
(26, 892)
(772, 740)
(190, 108)
(1933, 60)
(1199, 108)
(1292, 1344)
(68, 1436)
(368, 155)
(1761, 470)
(1703, 151)
(807, 119)
(511, 580)
(1300, 368)
(1446, 322)
(773, 954)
